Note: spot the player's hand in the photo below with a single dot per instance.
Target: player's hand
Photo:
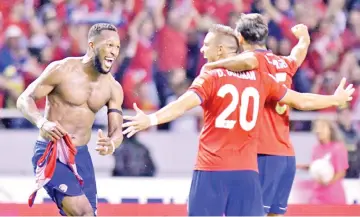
(342, 94)
(104, 144)
(53, 130)
(300, 31)
(136, 123)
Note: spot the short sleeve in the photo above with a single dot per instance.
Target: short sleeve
(275, 90)
(291, 62)
(340, 158)
(202, 86)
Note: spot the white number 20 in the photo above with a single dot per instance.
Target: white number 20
(222, 122)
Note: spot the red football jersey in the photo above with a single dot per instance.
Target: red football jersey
(274, 130)
(232, 103)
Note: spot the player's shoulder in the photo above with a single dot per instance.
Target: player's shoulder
(218, 72)
(269, 54)
(210, 72)
(115, 85)
(283, 57)
(54, 69)
(288, 58)
(73, 61)
(260, 52)
(204, 78)
(70, 60)
(65, 63)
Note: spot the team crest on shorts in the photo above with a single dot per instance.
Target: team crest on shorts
(63, 187)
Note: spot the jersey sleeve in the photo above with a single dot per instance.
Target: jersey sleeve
(291, 62)
(203, 86)
(275, 90)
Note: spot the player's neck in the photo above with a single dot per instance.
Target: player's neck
(251, 47)
(89, 67)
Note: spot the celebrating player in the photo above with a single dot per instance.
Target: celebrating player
(76, 88)
(275, 149)
(225, 179)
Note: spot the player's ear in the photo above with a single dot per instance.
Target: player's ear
(220, 51)
(91, 44)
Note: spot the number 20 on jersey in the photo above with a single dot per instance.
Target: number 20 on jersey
(222, 120)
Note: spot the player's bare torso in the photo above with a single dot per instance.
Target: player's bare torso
(76, 99)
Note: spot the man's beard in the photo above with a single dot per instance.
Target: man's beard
(97, 65)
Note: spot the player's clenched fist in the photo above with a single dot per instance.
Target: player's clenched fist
(52, 130)
(344, 94)
(300, 30)
(104, 144)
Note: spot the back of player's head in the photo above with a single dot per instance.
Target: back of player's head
(253, 28)
(96, 29)
(226, 36)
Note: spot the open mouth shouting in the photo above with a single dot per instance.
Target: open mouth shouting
(108, 61)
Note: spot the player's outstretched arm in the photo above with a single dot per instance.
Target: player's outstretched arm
(107, 144)
(40, 88)
(240, 62)
(177, 108)
(299, 52)
(310, 101)
(168, 113)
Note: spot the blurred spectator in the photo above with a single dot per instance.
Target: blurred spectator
(330, 143)
(351, 138)
(133, 159)
(346, 126)
(171, 45)
(137, 79)
(179, 84)
(354, 162)
(11, 57)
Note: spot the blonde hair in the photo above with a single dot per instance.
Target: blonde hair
(222, 29)
(228, 33)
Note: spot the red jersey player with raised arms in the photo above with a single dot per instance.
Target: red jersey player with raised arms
(225, 179)
(276, 156)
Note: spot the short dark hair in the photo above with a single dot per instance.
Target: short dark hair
(97, 28)
(253, 28)
(226, 31)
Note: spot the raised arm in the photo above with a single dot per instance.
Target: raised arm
(38, 89)
(158, 15)
(299, 51)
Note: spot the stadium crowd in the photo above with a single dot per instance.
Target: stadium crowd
(161, 40)
(160, 51)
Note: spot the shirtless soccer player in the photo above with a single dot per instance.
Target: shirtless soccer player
(76, 88)
(276, 157)
(225, 179)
